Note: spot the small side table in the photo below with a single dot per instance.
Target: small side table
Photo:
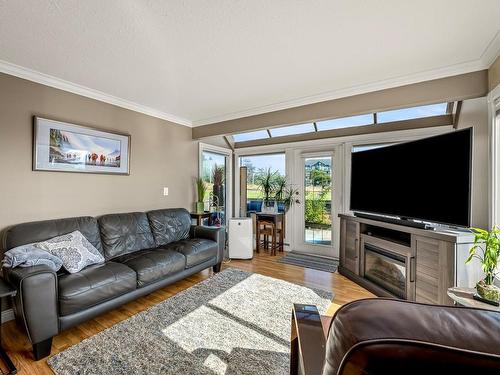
(199, 216)
(5, 291)
(463, 297)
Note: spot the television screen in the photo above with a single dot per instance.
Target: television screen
(428, 179)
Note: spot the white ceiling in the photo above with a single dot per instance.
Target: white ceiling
(198, 62)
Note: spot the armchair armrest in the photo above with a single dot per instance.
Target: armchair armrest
(35, 303)
(211, 233)
(307, 349)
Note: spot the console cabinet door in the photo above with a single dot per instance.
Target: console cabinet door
(349, 246)
(434, 270)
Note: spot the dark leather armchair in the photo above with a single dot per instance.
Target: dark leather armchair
(389, 336)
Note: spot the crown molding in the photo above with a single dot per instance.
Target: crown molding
(61, 84)
(492, 51)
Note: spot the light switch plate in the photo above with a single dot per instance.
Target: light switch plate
(165, 191)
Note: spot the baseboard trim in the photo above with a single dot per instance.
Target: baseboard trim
(7, 315)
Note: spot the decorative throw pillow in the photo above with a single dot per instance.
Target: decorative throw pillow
(75, 251)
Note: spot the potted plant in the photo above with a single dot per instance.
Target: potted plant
(486, 248)
(285, 194)
(218, 188)
(266, 182)
(201, 189)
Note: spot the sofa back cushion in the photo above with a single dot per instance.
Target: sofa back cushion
(125, 233)
(169, 225)
(37, 231)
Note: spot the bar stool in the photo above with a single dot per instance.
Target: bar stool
(271, 233)
(266, 229)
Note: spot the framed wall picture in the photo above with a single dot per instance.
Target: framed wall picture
(64, 147)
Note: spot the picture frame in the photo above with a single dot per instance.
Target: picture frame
(65, 147)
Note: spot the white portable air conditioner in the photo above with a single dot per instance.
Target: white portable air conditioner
(240, 238)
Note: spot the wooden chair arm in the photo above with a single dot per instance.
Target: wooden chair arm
(307, 349)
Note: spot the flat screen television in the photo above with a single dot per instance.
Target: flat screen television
(428, 179)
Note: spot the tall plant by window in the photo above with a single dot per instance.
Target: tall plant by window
(274, 188)
(285, 193)
(266, 181)
(218, 188)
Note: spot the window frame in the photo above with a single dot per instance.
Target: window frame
(494, 155)
(424, 121)
(229, 172)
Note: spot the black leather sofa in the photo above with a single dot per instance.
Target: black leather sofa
(143, 252)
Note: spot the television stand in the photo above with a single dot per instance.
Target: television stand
(402, 221)
(395, 260)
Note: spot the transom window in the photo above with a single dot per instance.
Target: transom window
(411, 113)
(372, 119)
(346, 122)
(292, 130)
(251, 136)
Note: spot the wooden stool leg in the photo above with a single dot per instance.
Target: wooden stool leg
(273, 231)
(282, 241)
(257, 238)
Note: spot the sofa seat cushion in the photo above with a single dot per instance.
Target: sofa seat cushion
(153, 265)
(93, 285)
(196, 250)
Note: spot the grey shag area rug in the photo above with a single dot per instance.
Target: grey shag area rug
(310, 261)
(233, 323)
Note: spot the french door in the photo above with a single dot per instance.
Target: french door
(314, 216)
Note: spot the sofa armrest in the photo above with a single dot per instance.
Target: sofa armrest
(390, 336)
(211, 233)
(35, 303)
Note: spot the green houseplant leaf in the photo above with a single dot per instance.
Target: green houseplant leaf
(486, 248)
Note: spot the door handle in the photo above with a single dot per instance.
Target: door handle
(412, 269)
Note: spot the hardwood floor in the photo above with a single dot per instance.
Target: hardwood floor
(17, 345)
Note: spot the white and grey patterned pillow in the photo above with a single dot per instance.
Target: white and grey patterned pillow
(75, 251)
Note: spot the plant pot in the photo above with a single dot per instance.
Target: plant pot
(489, 292)
(199, 207)
(270, 207)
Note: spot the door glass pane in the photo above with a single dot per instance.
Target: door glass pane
(214, 172)
(318, 200)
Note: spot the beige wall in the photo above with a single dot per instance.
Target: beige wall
(475, 113)
(162, 154)
(494, 74)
